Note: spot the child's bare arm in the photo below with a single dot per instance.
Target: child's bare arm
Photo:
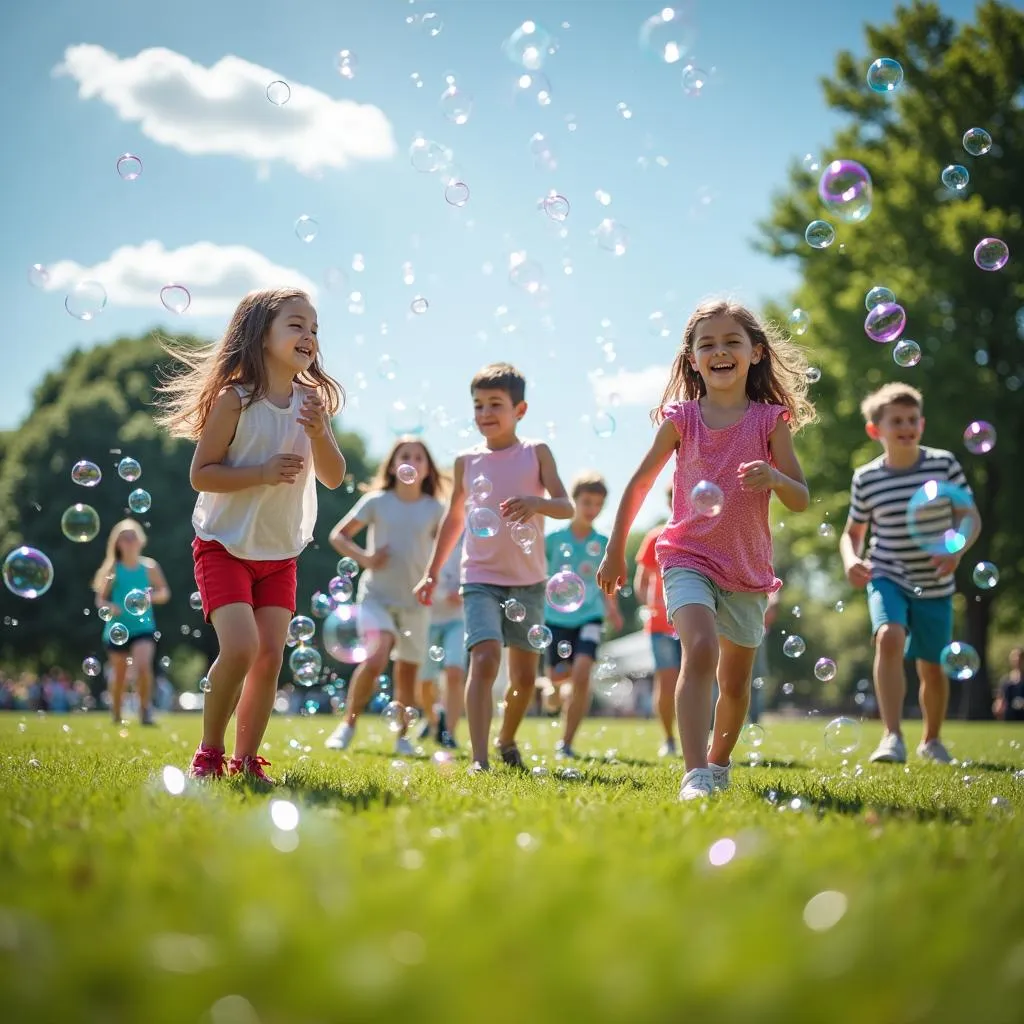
(557, 505)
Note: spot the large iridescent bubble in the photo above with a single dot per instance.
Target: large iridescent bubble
(846, 190)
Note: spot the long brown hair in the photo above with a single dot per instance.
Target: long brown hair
(105, 573)
(780, 378)
(188, 395)
(435, 483)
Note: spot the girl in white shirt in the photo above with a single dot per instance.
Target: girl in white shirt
(258, 404)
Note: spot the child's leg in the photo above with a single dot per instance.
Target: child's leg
(665, 685)
(579, 701)
(890, 678)
(238, 639)
(734, 668)
(405, 685)
(523, 665)
(933, 696)
(454, 682)
(365, 677)
(484, 662)
(143, 652)
(695, 624)
(426, 698)
(260, 689)
(118, 674)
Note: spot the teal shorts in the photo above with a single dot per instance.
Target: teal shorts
(927, 620)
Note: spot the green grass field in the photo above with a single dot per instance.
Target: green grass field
(412, 892)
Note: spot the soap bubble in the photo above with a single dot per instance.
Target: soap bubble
(175, 297)
(977, 141)
(959, 660)
(27, 572)
(842, 736)
(140, 501)
(305, 664)
(347, 566)
(406, 474)
(341, 588)
(906, 353)
(799, 321)
(752, 735)
(668, 35)
(91, 666)
(481, 488)
(80, 523)
(955, 177)
(533, 87)
(105, 613)
(707, 498)
(885, 75)
(603, 424)
(279, 93)
(824, 670)
(128, 469)
(436, 653)
(524, 535)
(930, 517)
(136, 602)
(346, 64)
(456, 193)
(878, 296)
(430, 24)
(320, 605)
(985, 576)
(845, 190)
(528, 46)
(794, 646)
(195, 601)
(129, 166)
(394, 716)
(118, 634)
(694, 79)
(483, 522)
(515, 611)
(343, 638)
(86, 474)
(819, 234)
(455, 105)
(980, 437)
(404, 420)
(301, 629)
(555, 206)
(885, 323)
(564, 650)
(86, 300)
(566, 591)
(539, 637)
(991, 254)
(813, 374)
(306, 228)
(611, 236)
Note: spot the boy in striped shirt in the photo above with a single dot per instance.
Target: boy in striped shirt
(910, 592)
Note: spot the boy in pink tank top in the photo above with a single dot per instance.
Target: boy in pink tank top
(501, 492)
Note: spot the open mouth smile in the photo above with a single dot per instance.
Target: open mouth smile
(722, 367)
(304, 351)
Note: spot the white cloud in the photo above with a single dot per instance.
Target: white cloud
(630, 387)
(216, 276)
(224, 110)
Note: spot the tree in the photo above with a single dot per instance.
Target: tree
(98, 406)
(918, 241)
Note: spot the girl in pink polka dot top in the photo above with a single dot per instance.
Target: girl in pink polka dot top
(736, 395)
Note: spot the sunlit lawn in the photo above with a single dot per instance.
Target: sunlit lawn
(415, 892)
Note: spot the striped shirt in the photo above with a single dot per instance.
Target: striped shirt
(879, 497)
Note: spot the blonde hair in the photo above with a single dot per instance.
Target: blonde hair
(895, 393)
(435, 482)
(780, 378)
(589, 482)
(105, 573)
(189, 395)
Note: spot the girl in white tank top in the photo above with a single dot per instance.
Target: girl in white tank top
(258, 404)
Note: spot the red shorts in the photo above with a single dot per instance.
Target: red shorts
(224, 579)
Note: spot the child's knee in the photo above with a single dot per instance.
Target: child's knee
(484, 661)
(700, 651)
(891, 639)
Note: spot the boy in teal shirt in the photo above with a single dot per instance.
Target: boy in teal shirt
(576, 634)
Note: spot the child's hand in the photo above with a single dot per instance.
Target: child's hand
(281, 469)
(377, 558)
(313, 415)
(859, 572)
(424, 590)
(519, 509)
(756, 476)
(611, 573)
(945, 565)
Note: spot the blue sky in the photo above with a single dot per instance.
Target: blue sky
(226, 174)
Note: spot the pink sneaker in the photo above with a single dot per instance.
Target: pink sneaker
(207, 763)
(252, 765)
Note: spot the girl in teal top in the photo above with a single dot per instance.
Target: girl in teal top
(126, 587)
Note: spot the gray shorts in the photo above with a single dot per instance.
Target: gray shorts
(483, 605)
(739, 616)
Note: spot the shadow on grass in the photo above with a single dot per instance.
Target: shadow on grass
(782, 762)
(360, 797)
(856, 805)
(989, 766)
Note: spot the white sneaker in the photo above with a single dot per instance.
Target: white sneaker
(720, 774)
(667, 749)
(404, 747)
(698, 783)
(341, 738)
(892, 749)
(934, 750)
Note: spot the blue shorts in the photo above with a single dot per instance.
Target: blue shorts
(927, 620)
(483, 605)
(739, 615)
(667, 651)
(451, 636)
